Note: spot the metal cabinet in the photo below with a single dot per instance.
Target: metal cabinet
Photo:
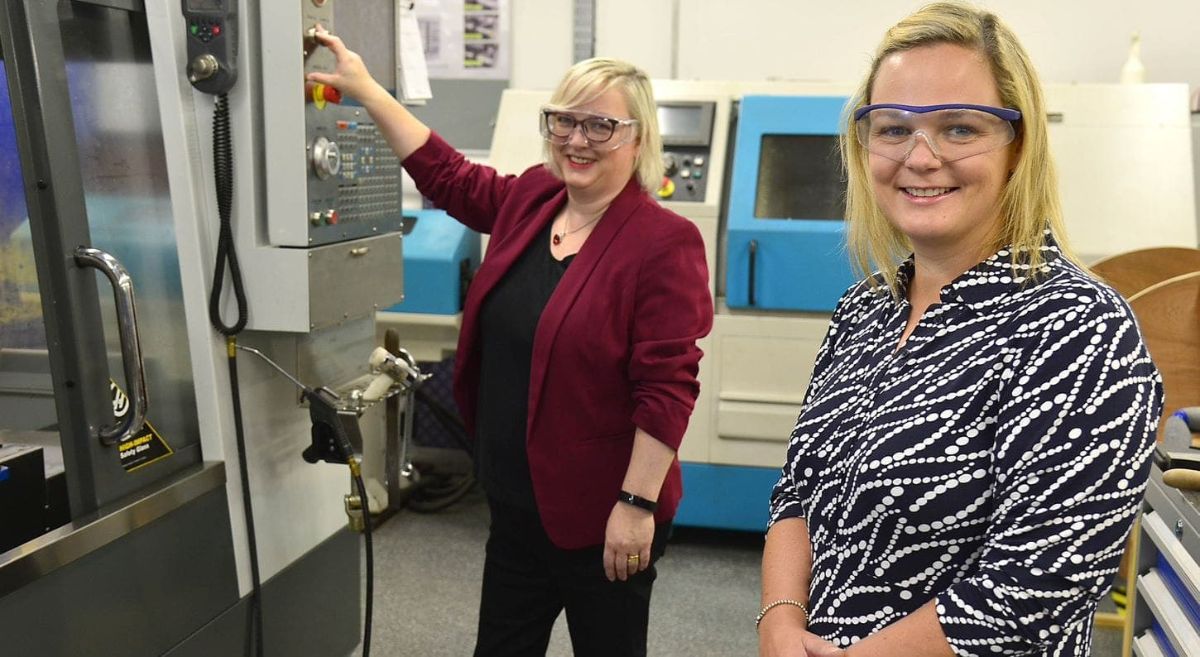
(1166, 603)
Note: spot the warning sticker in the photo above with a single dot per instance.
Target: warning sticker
(144, 447)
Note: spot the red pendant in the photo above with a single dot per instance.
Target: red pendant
(556, 240)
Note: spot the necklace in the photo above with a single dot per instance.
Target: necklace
(558, 237)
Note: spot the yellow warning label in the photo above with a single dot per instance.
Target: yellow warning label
(144, 447)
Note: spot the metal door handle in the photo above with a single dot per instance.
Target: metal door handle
(131, 344)
(753, 267)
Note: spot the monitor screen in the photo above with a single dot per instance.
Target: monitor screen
(800, 177)
(205, 5)
(682, 122)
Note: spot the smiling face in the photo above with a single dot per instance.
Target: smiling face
(943, 208)
(596, 171)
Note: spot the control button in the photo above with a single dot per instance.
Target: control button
(195, 28)
(697, 174)
(216, 30)
(330, 216)
(314, 218)
(668, 188)
(691, 187)
(202, 68)
(670, 165)
(685, 173)
(687, 161)
(698, 161)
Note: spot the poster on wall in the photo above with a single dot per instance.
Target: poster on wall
(465, 39)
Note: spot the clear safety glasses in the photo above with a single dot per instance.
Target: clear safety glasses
(557, 126)
(952, 132)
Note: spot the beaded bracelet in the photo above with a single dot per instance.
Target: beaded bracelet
(794, 603)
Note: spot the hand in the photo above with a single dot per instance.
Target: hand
(630, 531)
(350, 76)
(785, 636)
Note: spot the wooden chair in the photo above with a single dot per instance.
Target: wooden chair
(1169, 316)
(1134, 271)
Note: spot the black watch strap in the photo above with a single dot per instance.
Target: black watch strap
(639, 502)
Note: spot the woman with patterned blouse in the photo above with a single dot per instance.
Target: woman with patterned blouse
(976, 435)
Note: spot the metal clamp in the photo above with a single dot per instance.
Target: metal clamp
(131, 344)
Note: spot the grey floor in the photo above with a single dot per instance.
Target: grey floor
(427, 578)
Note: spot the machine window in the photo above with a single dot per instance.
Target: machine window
(800, 177)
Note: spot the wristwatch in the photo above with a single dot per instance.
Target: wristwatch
(639, 502)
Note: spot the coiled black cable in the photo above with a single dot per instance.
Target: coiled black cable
(226, 254)
(223, 175)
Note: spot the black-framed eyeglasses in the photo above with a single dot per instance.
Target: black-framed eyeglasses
(557, 126)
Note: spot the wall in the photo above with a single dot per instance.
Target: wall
(1072, 41)
(1068, 41)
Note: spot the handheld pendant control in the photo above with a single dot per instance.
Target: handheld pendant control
(212, 44)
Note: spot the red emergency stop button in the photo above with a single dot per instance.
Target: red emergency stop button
(319, 94)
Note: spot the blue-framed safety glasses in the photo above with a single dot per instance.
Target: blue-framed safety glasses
(953, 131)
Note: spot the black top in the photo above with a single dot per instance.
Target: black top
(508, 320)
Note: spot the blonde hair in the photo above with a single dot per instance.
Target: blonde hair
(1029, 203)
(591, 78)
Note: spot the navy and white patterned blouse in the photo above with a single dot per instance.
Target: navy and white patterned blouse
(995, 462)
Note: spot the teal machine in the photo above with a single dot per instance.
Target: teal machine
(785, 248)
(784, 267)
(444, 254)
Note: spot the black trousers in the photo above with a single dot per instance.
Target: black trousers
(528, 581)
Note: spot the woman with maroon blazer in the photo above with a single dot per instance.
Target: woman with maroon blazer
(577, 358)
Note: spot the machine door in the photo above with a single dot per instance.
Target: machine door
(94, 375)
(785, 241)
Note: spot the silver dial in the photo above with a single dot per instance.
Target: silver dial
(326, 159)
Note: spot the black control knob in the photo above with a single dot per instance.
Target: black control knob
(670, 165)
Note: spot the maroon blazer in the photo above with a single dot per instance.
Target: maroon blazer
(615, 348)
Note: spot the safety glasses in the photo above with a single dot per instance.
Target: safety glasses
(953, 132)
(558, 125)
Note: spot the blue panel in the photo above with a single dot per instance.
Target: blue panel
(433, 253)
(800, 262)
(1188, 604)
(1160, 637)
(726, 496)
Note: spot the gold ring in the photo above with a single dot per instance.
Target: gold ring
(634, 558)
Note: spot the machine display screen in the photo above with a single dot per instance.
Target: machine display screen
(685, 124)
(800, 177)
(206, 5)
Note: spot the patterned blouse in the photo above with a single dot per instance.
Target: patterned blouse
(995, 463)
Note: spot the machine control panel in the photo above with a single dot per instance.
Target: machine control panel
(353, 175)
(687, 129)
(212, 44)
